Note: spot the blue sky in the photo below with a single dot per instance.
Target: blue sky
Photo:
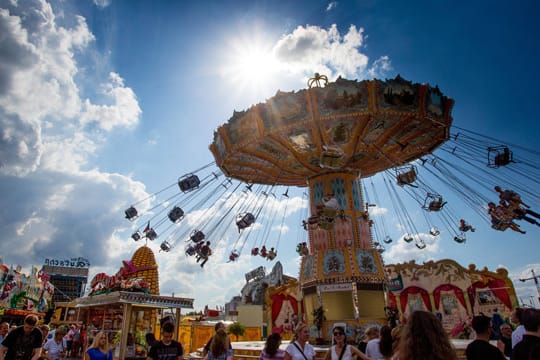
(105, 102)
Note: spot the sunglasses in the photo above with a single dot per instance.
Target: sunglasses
(338, 333)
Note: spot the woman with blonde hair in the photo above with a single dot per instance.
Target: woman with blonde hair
(100, 349)
(424, 338)
(299, 348)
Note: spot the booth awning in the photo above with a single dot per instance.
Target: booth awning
(135, 298)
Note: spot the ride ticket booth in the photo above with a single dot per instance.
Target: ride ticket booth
(126, 317)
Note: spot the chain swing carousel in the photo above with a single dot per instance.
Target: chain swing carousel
(334, 140)
(329, 138)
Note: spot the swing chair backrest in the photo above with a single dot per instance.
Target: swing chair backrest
(189, 183)
(131, 213)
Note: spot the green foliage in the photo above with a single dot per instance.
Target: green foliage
(318, 317)
(237, 329)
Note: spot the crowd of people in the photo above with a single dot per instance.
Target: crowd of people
(421, 338)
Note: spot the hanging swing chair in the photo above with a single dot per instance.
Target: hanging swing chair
(136, 236)
(379, 247)
(434, 231)
(433, 202)
(387, 239)
(189, 183)
(151, 234)
(131, 213)
(408, 238)
(165, 246)
(406, 175)
(499, 156)
(197, 236)
(461, 238)
(420, 244)
(244, 220)
(176, 214)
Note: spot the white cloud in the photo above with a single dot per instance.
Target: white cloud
(49, 135)
(402, 251)
(380, 67)
(102, 3)
(124, 110)
(313, 49)
(41, 110)
(331, 6)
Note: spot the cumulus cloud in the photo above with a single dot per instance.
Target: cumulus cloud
(58, 204)
(402, 251)
(40, 104)
(310, 49)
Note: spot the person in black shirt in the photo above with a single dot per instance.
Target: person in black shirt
(529, 347)
(481, 349)
(24, 342)
(505, 341)
(167, 348)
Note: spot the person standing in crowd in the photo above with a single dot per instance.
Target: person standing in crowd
(150, 339)
(529, 347)
(69, 338)
(55, 348)
(396, 335)
(271, 349)
(24, 342)
(362, 342)
(372, 347)
(386, 342)
(424, 338)
(100, 349)
(219, 348)
(505, 341)
(167, 348)
(217, 326)
(4, 328)
(518, 332)
(496, 322)
(84, 338)
(342, 351)
(480, 348)
(299, 348)
(44, 328)
(76, 344)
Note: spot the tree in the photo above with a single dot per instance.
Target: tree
(318, 318)
(237, 329)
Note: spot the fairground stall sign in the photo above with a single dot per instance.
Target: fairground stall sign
(78, 262)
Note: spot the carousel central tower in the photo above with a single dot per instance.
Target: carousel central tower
(329, 138)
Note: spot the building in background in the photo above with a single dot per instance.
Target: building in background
(69, 277)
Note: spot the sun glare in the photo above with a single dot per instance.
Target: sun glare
(250, 65)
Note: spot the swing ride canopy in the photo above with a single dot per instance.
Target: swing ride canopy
(363, 127)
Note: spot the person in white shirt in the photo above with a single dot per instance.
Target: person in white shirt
(519, 331)
(372, 347)
(55, 348)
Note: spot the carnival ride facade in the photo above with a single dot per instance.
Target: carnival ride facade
(22, 294)
(339, 140)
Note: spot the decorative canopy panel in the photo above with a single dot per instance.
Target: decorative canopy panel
(348, 126)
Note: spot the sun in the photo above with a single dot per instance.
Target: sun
(250, 64)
